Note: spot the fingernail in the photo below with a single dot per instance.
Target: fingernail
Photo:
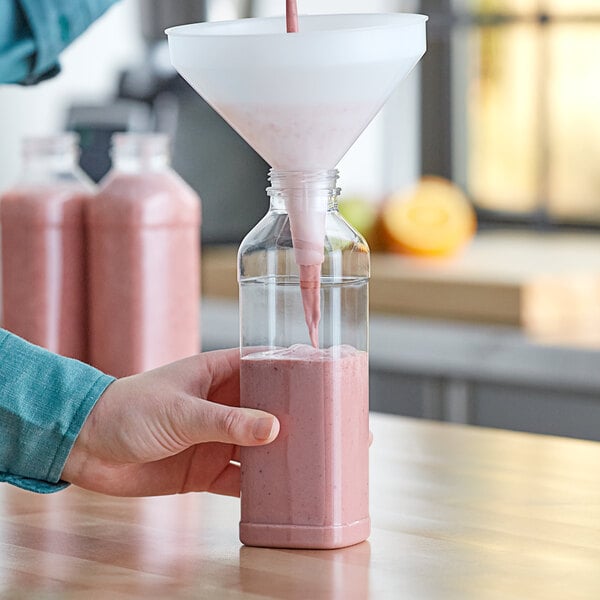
(263, 428)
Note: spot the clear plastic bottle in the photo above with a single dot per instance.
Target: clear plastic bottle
(144, 236)
(309, 488)
(43, 247)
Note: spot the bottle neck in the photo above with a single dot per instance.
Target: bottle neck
(140, 153)
(50, 155)
(306, 190)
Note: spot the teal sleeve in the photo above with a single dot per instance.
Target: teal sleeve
(34, 32)
(44, 402)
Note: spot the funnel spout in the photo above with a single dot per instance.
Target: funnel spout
(307, 215)
(307, 197)
(308, 236)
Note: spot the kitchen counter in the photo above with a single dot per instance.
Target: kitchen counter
(546, 284)
(507, 334)
(458, 512)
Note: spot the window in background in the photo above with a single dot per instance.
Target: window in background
(522, 91)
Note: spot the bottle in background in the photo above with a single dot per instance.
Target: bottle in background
(144, 254)
(43, 247)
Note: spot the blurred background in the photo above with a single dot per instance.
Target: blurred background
(500, 328)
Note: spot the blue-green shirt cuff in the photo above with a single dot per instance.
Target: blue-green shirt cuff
(33, 485)
(34, 32)
(44, 401)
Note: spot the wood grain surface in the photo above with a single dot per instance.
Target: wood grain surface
(458, 513)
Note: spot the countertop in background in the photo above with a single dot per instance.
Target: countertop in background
(545, 284)
(506, 335)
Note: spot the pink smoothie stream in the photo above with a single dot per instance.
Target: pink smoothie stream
(291, 16)
(144, 272)
(310, 275)
(309, 488)
(310, 288)
(43, 266)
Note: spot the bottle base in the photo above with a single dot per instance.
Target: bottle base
(304, 536)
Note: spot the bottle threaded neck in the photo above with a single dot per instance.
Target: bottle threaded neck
(310, 180)
(51, 152)
(315, 190)
(134, 152)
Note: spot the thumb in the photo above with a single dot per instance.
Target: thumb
(212, 422)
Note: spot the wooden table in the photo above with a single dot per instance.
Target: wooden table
(457, 512)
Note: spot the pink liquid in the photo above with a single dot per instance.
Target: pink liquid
(291, 16)
(310, 288)
(297, 137)
(43, 266)
(144, 272)
(309, 488)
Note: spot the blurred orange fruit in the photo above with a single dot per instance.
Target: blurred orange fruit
(432, 219)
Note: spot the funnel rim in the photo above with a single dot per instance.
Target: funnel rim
(408, 20)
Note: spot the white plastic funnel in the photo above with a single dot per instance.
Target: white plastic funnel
(300, 100)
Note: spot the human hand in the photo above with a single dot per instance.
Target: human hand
(172, 430)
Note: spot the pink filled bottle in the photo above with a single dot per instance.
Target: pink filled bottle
(309, 488)
(43, 247)
(144, 260)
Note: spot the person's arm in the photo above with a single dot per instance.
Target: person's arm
(34, 32)
(63, 421)
(44, 401)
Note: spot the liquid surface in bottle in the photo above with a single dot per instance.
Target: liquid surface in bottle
(309, 488)
(43, 266)
(144, 267)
